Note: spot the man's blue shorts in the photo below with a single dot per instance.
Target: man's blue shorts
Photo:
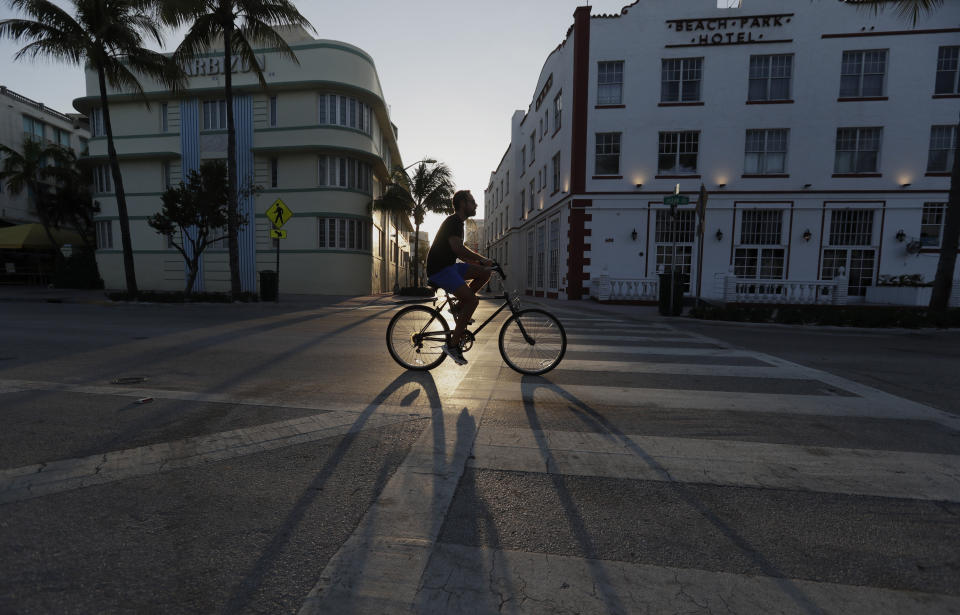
(450, 278)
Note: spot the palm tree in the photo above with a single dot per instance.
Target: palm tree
(108, 35)
(30, 171)
(240, 24)
(431, 190)
(72, 203)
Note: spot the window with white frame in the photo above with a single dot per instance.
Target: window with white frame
(858, 150)
(680, 79)
(214, 115)
(541, 253)
(346, 234)
(523, 203)
(851, 227)
(770, 77)
(532, 184)
(344, 172)
(557, 111)
(96, 123)
(62, 138)
(533, 145)
(863, 73)
(683, 230)
(766, 151)
(608, 153)
(346, 111)
(102, 179)
(678, 152)
(165, 180)
(33, 129)
(850, 246)
(948, 71)
(273, 110)
(931, 224)
(104, 234)
(943, 141)
(164, 117)
(610, 83)
(759, 253)
(556, 172)
(554, 277)
(531, 248)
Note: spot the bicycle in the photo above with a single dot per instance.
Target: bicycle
(532, 341)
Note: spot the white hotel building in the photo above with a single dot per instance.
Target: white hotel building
(319, 138)
(822, 135)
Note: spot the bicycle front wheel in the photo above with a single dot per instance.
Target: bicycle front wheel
(532, 342)
(415, 337)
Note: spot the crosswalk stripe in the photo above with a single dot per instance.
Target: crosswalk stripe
(894, 474)
(688, 369)
(718, 351)
(466, 579)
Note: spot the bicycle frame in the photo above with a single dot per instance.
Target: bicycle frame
(506, 303)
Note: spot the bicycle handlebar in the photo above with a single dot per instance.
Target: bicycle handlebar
(496, 267)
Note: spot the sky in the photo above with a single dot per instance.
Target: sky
(453, 72)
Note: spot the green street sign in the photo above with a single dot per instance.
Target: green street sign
(676, 200)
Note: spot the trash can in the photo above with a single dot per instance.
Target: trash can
(671, 284)
(268, 285)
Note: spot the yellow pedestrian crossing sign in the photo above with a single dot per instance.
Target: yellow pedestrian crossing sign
(279, 213)
(276, 233)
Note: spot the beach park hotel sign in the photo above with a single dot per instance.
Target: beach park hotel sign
(213, 66)
(745, 30)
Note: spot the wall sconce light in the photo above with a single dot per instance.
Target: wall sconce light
(639, 185)
(807, 235)
(634, 234)
(805, 186)
(900, 235)
(721, 186)
(906, 185)
(719, 235)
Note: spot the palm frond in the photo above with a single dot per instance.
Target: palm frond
(906, 9)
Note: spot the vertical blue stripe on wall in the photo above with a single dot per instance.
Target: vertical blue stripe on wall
(246, 239)
(190, 161)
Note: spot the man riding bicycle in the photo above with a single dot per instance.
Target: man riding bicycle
(444, 271)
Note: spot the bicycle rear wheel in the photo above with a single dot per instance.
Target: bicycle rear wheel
(415, 337)
(540, 350)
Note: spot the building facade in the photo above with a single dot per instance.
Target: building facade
(22, 118)
(819, 135)
(319, 139)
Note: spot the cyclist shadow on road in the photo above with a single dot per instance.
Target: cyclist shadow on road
(601, 425)
(407, 384)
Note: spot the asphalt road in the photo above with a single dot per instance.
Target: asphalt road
(272, 458)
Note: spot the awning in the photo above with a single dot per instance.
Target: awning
(33, 237)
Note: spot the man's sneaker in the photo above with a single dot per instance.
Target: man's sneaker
(454, 353)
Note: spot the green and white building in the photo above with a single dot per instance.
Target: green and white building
(319, 138)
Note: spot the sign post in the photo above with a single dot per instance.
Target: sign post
(673, 201)
(278, 214)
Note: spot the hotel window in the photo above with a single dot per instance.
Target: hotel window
(541, 128)
(523, 202)
(164, 117)
(754, 258)
(273, 110)
(610, 83)
(554, 253)
(165, 174)
(341, 172)
(344, 234)
(343, 111)
(102, 179)
(96, 123)
(943, 141)
(931, 224)
(678, 152)
(523, 159)
(862, 73)
(766, 152)
(852, 228)
(680, 234)
(608, 153)
(770, 77)
(274, 172)
(532, 184)
(104, 235)
(541, 256)
(214, 115)
(858, 150)
(680, 80)
(33, 129)
(63, 138)
(556, 172)
(533, 145)
(507, 184)
(546, 121)
(557, 112)
(530, 252)
(948, 69)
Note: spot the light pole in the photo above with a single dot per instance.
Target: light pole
(396, 283)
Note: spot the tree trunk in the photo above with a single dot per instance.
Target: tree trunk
(943, 283)
(128, 264)
(233, 206)
(416, 257)
(194, 266)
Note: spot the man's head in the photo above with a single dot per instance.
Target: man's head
(464, 204)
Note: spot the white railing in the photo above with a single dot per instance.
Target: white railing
(793, 292)
(626, 289)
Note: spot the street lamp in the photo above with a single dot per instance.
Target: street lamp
(424, 161)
